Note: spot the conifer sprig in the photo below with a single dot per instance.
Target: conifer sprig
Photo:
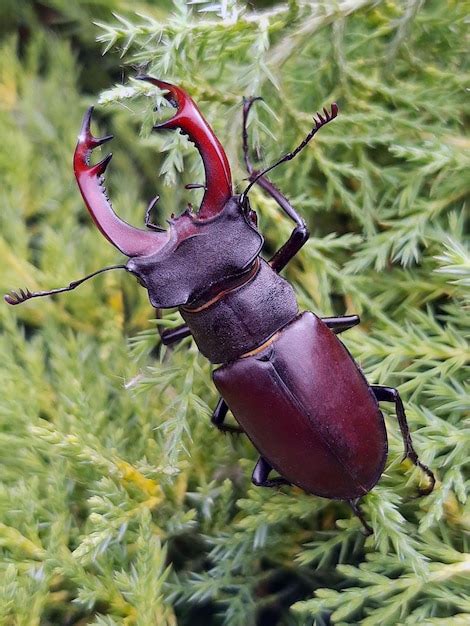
(119, 504)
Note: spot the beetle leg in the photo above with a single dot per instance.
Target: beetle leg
(340, 324)
(300, 234)
(390, 394)
(261, 473)
(354, 504)
(218, 418)
(173, 335)
(169, 336)
(15, 297)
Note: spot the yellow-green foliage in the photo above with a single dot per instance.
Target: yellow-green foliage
(119, 503)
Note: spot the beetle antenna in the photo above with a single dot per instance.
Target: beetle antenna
(17, 297)
(321, 121)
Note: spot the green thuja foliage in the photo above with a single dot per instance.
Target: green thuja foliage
(119, 503)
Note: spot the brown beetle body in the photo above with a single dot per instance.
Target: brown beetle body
(290, 383)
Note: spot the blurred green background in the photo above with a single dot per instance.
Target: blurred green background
(119, 504)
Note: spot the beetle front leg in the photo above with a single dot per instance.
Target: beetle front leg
(300, 234)
(218, 418)
(261, 473)
(390, 394)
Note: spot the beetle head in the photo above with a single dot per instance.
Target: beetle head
(199, 249)
(199, 257)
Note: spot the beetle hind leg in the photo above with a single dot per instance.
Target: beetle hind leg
(390, 394)
(354, 504)
(261, 473)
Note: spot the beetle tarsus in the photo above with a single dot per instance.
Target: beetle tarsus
(247, 104)
(300, 234)
(425, 491)
(148, 212)
(354, 504)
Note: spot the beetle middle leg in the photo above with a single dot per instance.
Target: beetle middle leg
(340, 324)
(261, 473)
(390, 394)
(173, 335)
(17, 297)
(218, 418)
(148, 213)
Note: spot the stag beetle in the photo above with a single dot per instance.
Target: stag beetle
(291, 384)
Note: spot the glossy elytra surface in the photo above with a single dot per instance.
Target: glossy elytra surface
(309, 411)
